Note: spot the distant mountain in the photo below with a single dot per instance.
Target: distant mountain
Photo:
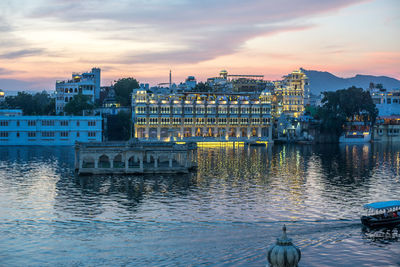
(321, 81)
(12, 86)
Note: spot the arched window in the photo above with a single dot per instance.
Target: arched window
(88, 162)
(118, 163)
(104, 162)
(133, 162)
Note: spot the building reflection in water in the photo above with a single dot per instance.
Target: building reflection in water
(96, 194)
(291, 179)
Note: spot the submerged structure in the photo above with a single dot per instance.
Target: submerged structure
(134, 157)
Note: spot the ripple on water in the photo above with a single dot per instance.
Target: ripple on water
(228, 213)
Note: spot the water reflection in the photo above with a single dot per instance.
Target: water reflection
(228, 212)
(95, 194)
(381, 236)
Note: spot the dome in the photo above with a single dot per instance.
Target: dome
(223, 74)
(283, 253)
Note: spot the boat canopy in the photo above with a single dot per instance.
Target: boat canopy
(383, 205)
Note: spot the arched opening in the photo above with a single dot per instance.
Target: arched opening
(66, 99)
(88, 162)
(232, 132)
(210, 132)
(150, 161)
(76, 90)
(244, 132)
(133, 162)
(118, 163)
(163, 161)
(198, 132)
(104, 162)
(254, 132)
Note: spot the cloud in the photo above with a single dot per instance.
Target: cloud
(13, 84)
(192, 31)
(21, 53)
(4, 71)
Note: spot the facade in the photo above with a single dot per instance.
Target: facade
(86, 83)
(387, 129)
(49, 130)
(202, 117)
(239, 83)
(190, 83)
(387, 103)
(134, 157)
(111, 105)
(290, 93)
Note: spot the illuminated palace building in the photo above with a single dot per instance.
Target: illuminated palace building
(208, 116)
(289, 94)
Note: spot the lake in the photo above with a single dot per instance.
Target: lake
(228, 213)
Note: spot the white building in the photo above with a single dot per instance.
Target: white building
(190, 84)
(87, 83)
(49, 130)
(387, 103)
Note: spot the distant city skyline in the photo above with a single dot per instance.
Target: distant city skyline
(43, 41)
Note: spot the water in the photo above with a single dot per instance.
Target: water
(228, 213)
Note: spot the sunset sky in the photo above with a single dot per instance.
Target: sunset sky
(42, 41)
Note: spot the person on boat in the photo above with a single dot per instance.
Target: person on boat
(398, 213)
(394, 214)
(385, 215)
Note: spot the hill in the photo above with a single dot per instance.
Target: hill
(321, 81)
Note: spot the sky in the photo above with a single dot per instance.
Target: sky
(46, 40)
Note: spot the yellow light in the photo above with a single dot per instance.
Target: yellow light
(365, 133)
(1, 93)
(220, 144)
(355, 133)
(180, 143)
(262, 142)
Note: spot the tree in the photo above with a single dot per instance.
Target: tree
(37, 104)
(346, 105)
(202, 87)
(44, 104)
(119, 126)
(78, 104)
(123, 89)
